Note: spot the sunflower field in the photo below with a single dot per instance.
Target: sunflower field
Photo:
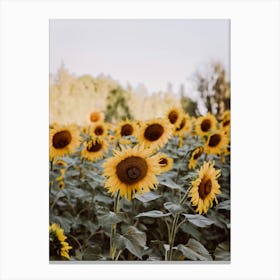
(140, 190)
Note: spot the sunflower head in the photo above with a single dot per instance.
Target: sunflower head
(184, 126)
(225, 123)
(94, 149)
(216, 142)
(131, 171)
(205, 187)
(205, 124)
(63, 140)
(155, 133)
(165, 162)
(196, 153)
(99, 129)
(59, 248)
(174, 115)
(96, 116)
(126, 128)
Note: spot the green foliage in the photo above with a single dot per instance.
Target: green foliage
(117, 107)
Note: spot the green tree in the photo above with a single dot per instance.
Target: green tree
(117, 107)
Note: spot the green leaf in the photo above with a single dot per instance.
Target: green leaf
(107, 217)
(222, 252)
(189, 253)
(173, 208)
(198, 220)
(135, 235)
(147, 197)
(92, 253)
(134, 241)
(199, 248)
(153, 214)
(224, 205)
(95, 177)
(194, 250)
(169, 183)
(63, 222)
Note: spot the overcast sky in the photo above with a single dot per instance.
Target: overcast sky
(152, 52)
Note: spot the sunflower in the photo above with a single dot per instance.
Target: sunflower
(131, 170)
(126, 128)
(94, 149)
(175, 115)
(155, 133)
(62, 175)
(225, 123)
(58, 246)
(96, 116)
(60, 162)
(196, 153)
(165, 162)
(204, 189)
(99, 129)
(63, 140)
(216, 142)
(183, 126)
(205, 124)
(61, 185)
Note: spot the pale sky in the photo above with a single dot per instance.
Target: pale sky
(152, 52)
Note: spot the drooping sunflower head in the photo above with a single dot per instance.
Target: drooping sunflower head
(184, 126)
(60, 162)
(131, 171)
(205, 124)
(94, 149)
(126, 128)
(155, 133)
(216, 142)
(63, 140)
(174, 115)
(205, 187)
(165, 162)
(99, 129)
(59, 248)
(96, 116)
(196, 153)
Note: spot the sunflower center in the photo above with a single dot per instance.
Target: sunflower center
(99, 130)
(205, 125)
(163, 161)
(204, 188)
(214, 140)
(94, 147)
(153, 132)
(131, 170)
(61, 139)
(173, 117)
(126, 130)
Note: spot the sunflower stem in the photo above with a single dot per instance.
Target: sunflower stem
(172, 237)
(175, 227)
(114, 227)
(118, 255)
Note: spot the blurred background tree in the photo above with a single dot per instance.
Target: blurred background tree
(117, 105)
(73, 97)
(189, 105)
(213, 89)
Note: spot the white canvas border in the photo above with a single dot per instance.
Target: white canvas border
(255, 139)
